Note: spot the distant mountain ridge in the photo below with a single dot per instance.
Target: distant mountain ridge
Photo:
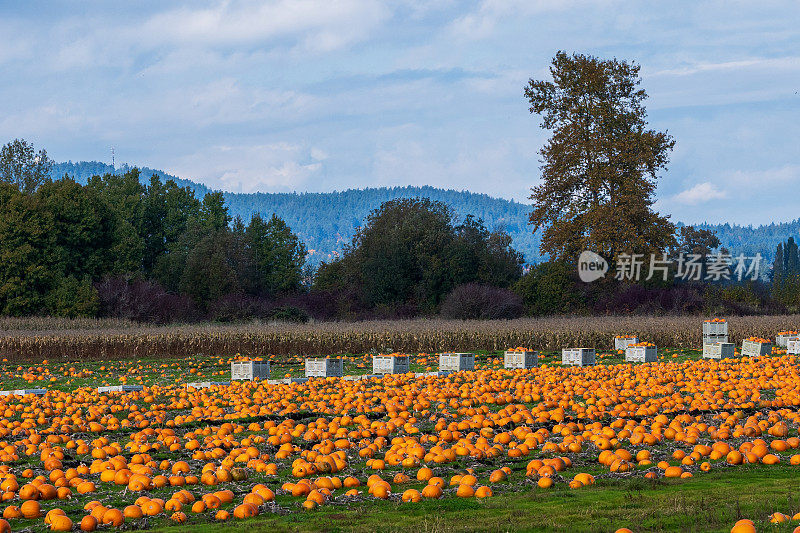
(325, 222)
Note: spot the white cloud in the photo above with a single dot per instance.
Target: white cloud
(761, 180)
(267, 167)
(700, 193)
(483, 21)
(781, 63)
(321, 25)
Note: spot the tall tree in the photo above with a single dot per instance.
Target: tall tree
(124, 198)
(209, 273)
(409, 251)
(213, 213)
(81, 229)
(778, 266)
(25, 269)
(277, 253)
(166, 213)
(22, 167)
(791, 261)
(600, 166)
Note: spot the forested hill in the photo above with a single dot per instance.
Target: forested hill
(327, 221)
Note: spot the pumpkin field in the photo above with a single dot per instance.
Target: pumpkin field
(683, 443)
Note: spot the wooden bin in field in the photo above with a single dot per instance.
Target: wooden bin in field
(782, 338)
(390, 364)
(641, 354)
(622, 342)
(249, 370)
(719, 350)
(455, 362)
(325, 368)
(755, 348)
(793, 346)
(120, 388)
(578, 356)
(513, 359)
(715, 331)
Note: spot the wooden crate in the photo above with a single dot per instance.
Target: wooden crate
(207, 384)
(620, 343)
(782, 338)
(24, 392)
(715, 328)
(455, 362)
(719, 350)
(328, 367)
(578, 356)
(390, 364)
(755, 349)
(714, 339)
(520, 360)
(793, 346)
(641, 354)
(120, 388)
(249, 370)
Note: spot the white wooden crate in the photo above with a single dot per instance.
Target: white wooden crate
(207, 384)
(286, 381)
(454, 362)
(121, 388)
(713, 339)
(578, 356)
(755, 349)
(324, 368)
(793, 346)
(719, 350)
(249, 370)
(24, 392)
(641, 354)
(620, 343)
(517, 360)
(782, 338)
(390, 364)
(714, 328)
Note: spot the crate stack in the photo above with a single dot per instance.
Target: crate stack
(715, 330)
(520, 359)
(715, 340)
(325, 368)
(578, 356)
(621, 342)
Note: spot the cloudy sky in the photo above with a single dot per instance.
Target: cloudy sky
(320, 95)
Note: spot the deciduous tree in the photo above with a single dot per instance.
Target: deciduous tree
(600, 165)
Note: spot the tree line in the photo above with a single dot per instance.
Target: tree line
(117, 247)
(156, 251)
(62, 244)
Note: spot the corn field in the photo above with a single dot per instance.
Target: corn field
(35, 339)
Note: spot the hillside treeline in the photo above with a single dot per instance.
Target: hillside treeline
(326, 222)
(158, 252)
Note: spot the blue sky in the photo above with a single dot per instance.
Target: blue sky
(320, 95)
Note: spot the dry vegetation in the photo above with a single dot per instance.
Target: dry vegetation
(100, 339)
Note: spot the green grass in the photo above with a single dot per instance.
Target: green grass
(708, 503)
